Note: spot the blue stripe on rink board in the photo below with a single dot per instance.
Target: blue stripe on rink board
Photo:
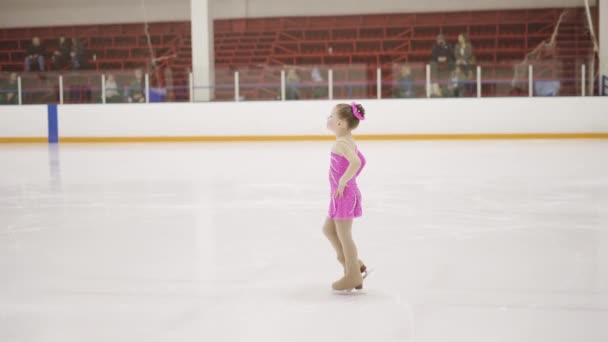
(53, 124)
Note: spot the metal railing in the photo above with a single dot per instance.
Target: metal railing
(282, 85)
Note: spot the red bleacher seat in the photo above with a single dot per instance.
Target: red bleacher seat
(380, 40)
(498, 36)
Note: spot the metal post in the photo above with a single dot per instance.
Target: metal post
(428, 80)
(19, 90)
(530, 80)
(103, 88)
(379, 82)
(236, 86)
(191, 87)
(583, 80)
(330, 80)
(60, 89)
(147, 88)
(283, 85)
(479, 81)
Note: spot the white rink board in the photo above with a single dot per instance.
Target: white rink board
(23, 121)
(420, 116)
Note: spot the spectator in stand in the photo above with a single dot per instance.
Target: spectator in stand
(463, 52)
(77, 54)
(442, 54)
(136, 88)
(472, 77)
(293, 83)
(405, 83)
(112, 94)
(61, 54)
(8, 90)
(457, 81)
(35, 54)
(546, 87)
(443, 59)
(436, 90)
(318, 90)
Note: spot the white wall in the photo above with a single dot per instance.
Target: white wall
(30, 13)
(269, 8)
(437, 116)
(23, 121)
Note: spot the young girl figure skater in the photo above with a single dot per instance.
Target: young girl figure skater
(346, 164)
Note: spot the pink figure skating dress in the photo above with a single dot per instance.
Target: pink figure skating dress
(349, 206)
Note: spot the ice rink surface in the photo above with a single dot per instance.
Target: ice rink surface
(469, 241)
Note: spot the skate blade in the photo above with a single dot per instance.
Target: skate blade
(351, 292)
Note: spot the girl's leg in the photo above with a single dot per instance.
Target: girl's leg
(352, 278)
(329, 229)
